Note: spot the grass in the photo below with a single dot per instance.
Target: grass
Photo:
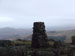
(28, 42)
(22, 42)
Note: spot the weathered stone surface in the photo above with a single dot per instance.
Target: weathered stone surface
(39, 37)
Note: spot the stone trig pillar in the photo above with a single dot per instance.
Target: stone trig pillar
(39, 37)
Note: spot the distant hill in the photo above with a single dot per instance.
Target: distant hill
(12, 34)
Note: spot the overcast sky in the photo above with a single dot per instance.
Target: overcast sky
(22, 13)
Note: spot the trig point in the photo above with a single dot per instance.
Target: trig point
(39, 37)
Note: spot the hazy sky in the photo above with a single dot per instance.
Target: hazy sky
(22, 13)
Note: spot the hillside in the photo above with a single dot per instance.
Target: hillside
(67, 33)
(59, 35)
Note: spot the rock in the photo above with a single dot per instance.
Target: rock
(42, 53)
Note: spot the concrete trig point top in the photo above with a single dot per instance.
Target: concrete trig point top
(38, 23)
(39, 37)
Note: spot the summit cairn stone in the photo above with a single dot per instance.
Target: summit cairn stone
(39, 37)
